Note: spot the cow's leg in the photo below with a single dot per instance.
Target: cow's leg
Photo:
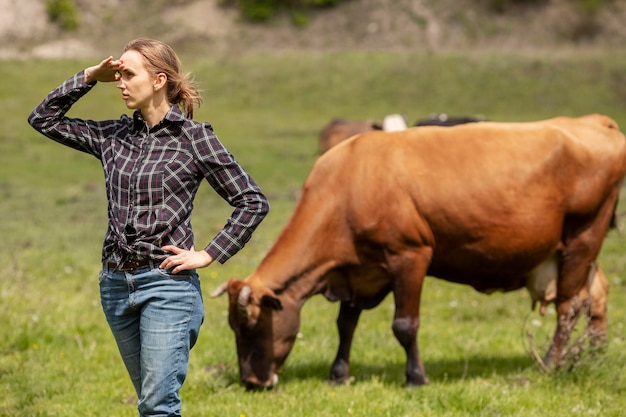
(409, 271)
(572, 299)
(576, 269)
(346, 324)
(596, 294)
(568, 312)
(590, 301)
(599, 293)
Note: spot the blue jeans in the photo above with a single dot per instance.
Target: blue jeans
(155, 317)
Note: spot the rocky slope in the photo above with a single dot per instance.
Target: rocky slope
(204, 26)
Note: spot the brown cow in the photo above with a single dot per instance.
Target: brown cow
(498, 206)
(340, 129)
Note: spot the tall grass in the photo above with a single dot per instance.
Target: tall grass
(57, 357)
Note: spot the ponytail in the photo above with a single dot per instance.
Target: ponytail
(182, 90)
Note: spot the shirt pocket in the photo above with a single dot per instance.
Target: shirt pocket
(179, 184)
(175, 184)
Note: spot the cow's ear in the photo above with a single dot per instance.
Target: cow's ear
(269, 299)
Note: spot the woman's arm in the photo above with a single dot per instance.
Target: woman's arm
(234, 185)
(49, 117)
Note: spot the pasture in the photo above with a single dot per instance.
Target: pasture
(58, 358)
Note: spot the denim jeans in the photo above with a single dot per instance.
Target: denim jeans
(155, 317)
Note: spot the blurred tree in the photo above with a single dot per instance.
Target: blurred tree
(64, 12)
(501, 6)
(261, 10)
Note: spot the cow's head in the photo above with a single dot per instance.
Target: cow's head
(265, 330)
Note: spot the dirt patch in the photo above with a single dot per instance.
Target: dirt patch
(20, 19)
(435, 25)
(27, 32)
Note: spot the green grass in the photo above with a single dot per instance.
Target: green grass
(58, 358)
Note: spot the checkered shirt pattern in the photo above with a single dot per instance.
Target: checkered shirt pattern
(152, 176)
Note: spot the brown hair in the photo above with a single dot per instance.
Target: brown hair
(160, 57)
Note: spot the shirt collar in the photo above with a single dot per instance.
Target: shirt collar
(174, 114)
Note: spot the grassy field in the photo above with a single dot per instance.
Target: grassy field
(58, 358)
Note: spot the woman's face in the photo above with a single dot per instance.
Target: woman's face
(135, 82)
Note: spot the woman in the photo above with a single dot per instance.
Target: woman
(153, 165)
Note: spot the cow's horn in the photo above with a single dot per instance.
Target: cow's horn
(243, 300)
(219, 290)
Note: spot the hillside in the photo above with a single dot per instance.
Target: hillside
(202, 26)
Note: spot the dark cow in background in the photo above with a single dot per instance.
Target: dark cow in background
(340, 129)
(443, 119)
(497, 206)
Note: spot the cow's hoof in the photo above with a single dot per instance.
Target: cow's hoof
(343, 381)
(416, 382)
(340, 372)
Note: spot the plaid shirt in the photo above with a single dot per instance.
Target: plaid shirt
(152, 176)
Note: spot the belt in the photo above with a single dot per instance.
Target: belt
(130, 265)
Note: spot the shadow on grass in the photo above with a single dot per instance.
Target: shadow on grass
(440, 371)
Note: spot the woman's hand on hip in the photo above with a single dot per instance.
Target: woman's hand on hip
(183, 260)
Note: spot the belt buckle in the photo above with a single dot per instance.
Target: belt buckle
(129, 266)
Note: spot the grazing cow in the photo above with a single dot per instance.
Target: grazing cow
(340, 129)
(498, 206)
